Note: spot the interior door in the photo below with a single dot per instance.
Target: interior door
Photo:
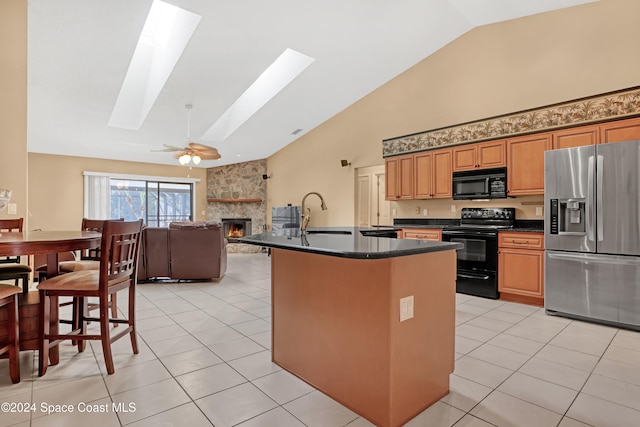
(363, 201)
(383, 206)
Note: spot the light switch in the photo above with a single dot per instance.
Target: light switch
(453, 208)
(425, 212)
(406, 308)
(539, 210)
(12, 208)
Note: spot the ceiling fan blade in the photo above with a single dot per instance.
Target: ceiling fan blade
(199, 147)
(169, 148)
(209, 155)
(178, 155)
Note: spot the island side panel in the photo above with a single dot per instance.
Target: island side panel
(422, 348)
(331, 327)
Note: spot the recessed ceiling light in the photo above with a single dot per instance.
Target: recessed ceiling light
(275, 78)
(164, 36)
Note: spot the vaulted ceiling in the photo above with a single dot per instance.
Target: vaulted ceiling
(79, 52)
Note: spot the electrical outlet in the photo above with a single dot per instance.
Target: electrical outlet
(453, 208)
(406, 308)
(425, 212)
(539, 210)
(417, 210)
(394, 212)
(12, 208)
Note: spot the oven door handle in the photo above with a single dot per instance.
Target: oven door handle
(473, 276)
(458, 233)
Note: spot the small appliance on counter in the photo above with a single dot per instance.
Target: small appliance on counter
(477, 272)
(285, 220)
(592, 233)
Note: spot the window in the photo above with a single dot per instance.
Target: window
(155, 200)
(157, 203)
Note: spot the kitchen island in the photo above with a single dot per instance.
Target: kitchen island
(336, 297)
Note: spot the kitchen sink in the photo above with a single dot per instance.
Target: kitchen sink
(328, 232)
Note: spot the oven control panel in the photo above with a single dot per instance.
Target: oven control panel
(488, 213)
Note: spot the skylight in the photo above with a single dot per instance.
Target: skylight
(276, 77)
(166, 33)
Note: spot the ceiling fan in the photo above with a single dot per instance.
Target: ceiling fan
(193, 152)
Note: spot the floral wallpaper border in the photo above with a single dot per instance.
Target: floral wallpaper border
(613, 105)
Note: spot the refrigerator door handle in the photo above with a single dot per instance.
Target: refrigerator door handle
(599, 188)
(590, 199)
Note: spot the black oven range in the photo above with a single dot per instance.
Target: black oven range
(478, 261)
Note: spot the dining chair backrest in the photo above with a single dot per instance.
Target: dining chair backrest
(93, 225)
(119, 254)
(11, 225)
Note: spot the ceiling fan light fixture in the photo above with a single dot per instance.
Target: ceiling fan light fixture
(196, 159)
(184, 159)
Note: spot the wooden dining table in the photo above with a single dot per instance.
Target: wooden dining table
(34, 243)
(47, 242)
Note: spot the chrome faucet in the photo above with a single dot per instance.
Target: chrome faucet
(306, 214)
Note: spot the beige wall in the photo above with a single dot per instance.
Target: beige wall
(56, 186)
(13, 103)
(489, 71)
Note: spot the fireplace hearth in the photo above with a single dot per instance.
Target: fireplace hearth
(235, 228)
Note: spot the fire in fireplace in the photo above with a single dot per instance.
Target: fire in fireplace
(234, 228)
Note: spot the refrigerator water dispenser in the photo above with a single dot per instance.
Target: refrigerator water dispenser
(568, 216)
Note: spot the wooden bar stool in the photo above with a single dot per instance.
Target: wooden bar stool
(118, 262)
(9, 299)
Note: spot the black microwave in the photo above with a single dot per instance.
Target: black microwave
(480, 184)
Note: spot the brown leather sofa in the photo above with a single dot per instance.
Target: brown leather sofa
(184, 251)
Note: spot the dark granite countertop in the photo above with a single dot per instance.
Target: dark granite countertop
(348, 242)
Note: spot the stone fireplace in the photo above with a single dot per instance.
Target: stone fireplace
(236, 197)
(234, 228)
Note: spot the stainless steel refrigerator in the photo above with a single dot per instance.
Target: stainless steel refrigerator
(592, 233)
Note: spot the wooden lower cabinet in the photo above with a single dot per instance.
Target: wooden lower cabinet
(521, 267)
(433, 234)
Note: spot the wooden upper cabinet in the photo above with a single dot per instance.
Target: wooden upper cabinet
(432, 170)
(399, 177)
(423, 172)
(491, 154)
(441, 181)
(525, 163)
(621, 130)
(391, 178)
(464, 158)
(406, 177)
(576, 137)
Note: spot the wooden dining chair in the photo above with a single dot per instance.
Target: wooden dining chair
(118, 264)
(9, 299)
(10, 267)
(90, 260)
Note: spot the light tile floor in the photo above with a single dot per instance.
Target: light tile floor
(205, 360)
